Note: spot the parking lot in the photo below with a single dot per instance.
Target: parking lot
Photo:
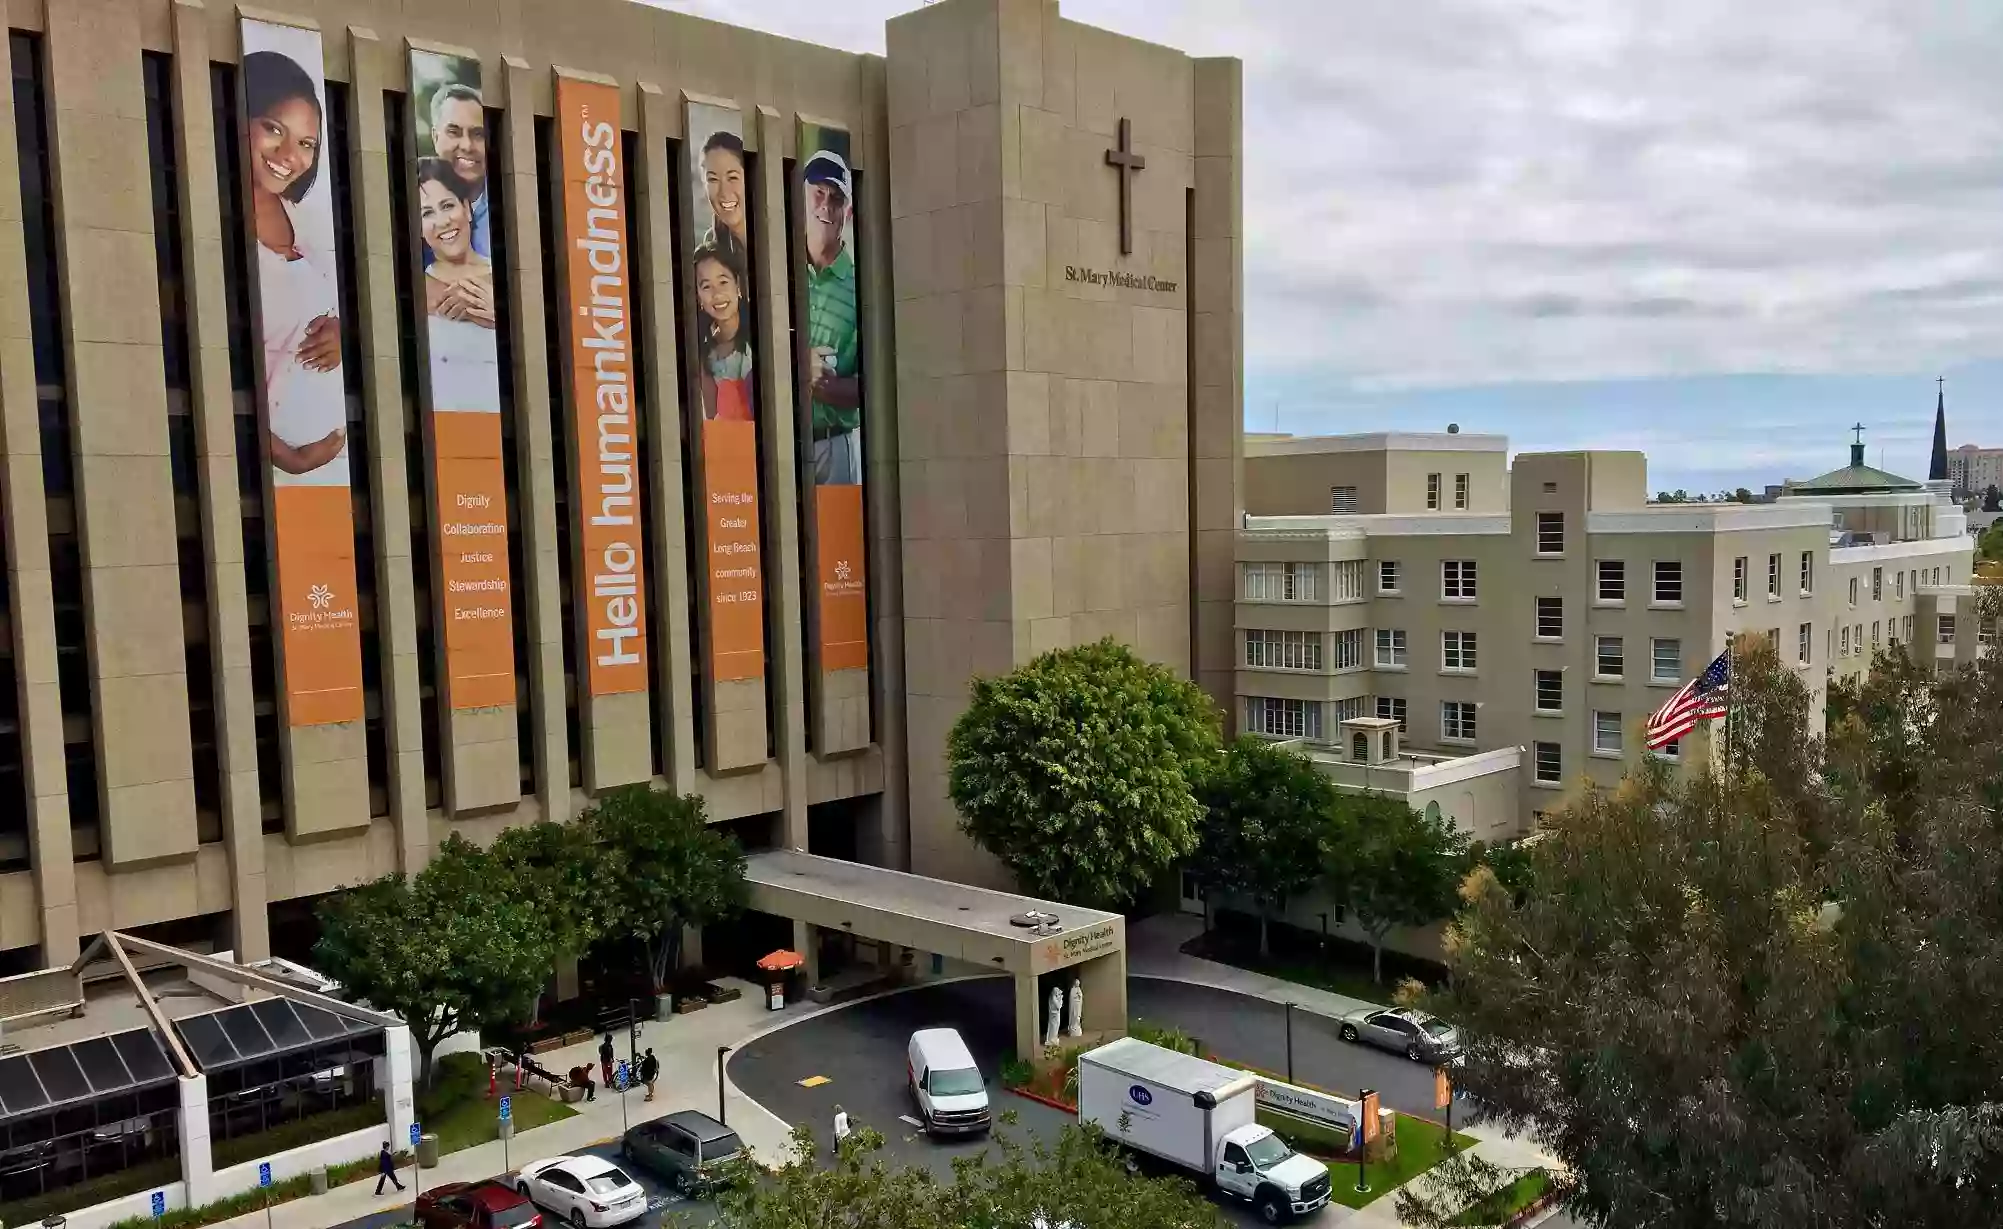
(663, 1205)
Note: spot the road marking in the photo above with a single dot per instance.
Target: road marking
(909, 1121)
(815, 1081)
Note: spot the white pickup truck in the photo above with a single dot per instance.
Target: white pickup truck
(1198, 1116)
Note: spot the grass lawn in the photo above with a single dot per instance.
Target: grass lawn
(457, 1111)
(1421, 1145)
(1497, 1207)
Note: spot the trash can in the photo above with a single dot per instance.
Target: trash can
(427, 1151)
(775, 995)
(318, 1179)
(54, 1222)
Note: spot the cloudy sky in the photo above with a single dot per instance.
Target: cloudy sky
(1716, 231)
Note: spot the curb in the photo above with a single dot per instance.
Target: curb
(1040, 1099)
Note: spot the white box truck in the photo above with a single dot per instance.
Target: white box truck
(1200, 1117)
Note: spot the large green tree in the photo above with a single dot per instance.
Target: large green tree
(1769, 994)
(455, 948)
(1394, 867)
(563, 871)
(1079, 770)
(1267, 813)
(665, 869)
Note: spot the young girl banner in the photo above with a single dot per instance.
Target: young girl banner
(469, 494)
(302, 398)
(726, 390)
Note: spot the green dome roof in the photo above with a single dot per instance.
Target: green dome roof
(1856, 478)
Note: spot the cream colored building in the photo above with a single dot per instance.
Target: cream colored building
(1975, 469)
(1532, 639)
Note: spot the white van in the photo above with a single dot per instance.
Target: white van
(946, 1086)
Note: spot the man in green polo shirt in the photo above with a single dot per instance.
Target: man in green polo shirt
(834, 353)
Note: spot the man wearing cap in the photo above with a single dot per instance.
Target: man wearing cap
(833, 352)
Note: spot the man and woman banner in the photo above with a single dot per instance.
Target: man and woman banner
(303, 395)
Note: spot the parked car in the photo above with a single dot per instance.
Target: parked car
(1416, 1035)
(588, 1191)
(946, 1086)
(691, 1151)
(476, 1205)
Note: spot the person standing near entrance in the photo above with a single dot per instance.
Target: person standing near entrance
(386, 1169)
(605, 1055)
(841, 1128)
(650, 1070)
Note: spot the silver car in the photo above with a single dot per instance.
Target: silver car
(1416, 1035)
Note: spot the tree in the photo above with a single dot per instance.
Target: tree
(1992, 499)
(668, 870)
(1989, 544)
(561, 869)
(1742, 495)
(1078, 771)
(455, 948)
(1396, 867)
(1080, 1180)
(1267, 812)
(1767, 995)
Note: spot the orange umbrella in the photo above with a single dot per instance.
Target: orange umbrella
(781, 960)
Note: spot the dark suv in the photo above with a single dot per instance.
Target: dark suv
(692, 1151)
(476, 1205)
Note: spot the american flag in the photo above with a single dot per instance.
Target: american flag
(1700, 699)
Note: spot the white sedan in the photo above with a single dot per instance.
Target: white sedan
(588, 1191)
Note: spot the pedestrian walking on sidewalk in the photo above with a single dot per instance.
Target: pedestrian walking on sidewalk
(386, 1169)
(841, 1128)
(605, 1055)
(650, 1070)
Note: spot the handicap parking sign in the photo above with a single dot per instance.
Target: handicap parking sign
(413, 1135)
(159, 1203)
(507, 1108)
(264, 1173)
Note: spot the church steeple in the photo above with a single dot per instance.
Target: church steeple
(1937, 468)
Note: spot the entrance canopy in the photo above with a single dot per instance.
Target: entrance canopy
(1004, 931)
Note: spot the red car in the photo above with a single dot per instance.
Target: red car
(476, 1205)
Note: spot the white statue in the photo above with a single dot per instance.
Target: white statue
(1077, 1008)
(1054, 1019)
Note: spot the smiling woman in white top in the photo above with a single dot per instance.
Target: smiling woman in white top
(299, 298)
(458, 294)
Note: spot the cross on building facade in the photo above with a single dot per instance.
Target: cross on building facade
(1125, 162)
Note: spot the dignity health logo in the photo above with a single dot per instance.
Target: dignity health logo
(322, 614)
(321, 597)
(844, 579)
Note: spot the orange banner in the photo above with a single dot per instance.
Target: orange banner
(470, 503)
(831, 392)
(605, 498)
(302, 392)
(727, 391)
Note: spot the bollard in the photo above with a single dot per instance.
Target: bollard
(318, 1179)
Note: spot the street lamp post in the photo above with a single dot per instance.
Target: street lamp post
(720, 1052)
(1324, 930)
(1290, 1042)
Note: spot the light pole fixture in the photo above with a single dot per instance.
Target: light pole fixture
(720, 1052)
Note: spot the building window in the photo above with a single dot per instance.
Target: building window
(1807, 572)
(1283, 650)
(1773, 640)
(1773, 576)
(1608, 661)
(1874, 635)
(1457, 578)
(1282, 582)
(1550, 691)
(1607, 733)
(1349, 649)
(1853, 590)
(1457, 650)
(1804, 645)
(1846, 641)
(1457, 720)
(1392, 708)
(1898, 584)
(1739, 579)
(1666, 659)
(1671, 751)
(1906, 634)
(1350, 709)
(1550, 533)
(1857, 636)
(1550, 618)
(1388, 579)
(1877, 584)
(1668, 581)
(1346, 583)
(1944, 629)
(1342, 500)
(1460, 490)
(1390, 646)
(1432, 492)
(1550, 764)
(1283, 718)
(1613, 580)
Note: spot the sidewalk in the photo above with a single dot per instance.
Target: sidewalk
(687, 1047)
(1154, 949)
(1509, 1154)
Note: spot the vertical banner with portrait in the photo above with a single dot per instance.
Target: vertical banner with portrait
(598, 294)
(726, 389)
(302, 399)
(463, 377)
(830, 364)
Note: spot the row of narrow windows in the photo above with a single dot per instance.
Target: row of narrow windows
(56, 419)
